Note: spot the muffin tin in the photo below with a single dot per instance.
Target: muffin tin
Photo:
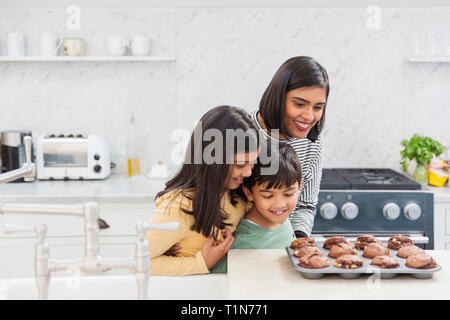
(367, 268)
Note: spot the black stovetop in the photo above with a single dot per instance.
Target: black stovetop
(366, 179)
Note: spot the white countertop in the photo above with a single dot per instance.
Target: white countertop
(440, 193)
(114, 188)
(268, 274)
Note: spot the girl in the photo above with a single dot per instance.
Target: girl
(202, 196)
(294, 104)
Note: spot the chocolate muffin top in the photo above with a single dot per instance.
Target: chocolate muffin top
(363, 240)
(334, 240)
(314, 261)
(385, 262)
(349, 261)
(340, 249)
(302, 243)
(375, 249)
(421, 261)
(406, 251)
(398, 241)
(298, 252)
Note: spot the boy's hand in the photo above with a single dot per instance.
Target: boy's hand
(214, 253)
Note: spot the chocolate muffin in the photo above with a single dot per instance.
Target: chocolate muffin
(407, 251)
(375, 249)
(385, 262)
(340, 249)
(299, 252)
(363, 240)
(421, 261)
(313, 261)
(349, 261)
(334, 240)
(398, 241)
(302, 243)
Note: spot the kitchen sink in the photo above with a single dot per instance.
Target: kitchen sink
(211, 286)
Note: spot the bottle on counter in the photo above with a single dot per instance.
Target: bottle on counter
(158, 170)
(133, 150)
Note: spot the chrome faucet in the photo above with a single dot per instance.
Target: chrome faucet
(92, 262)
(28, 169)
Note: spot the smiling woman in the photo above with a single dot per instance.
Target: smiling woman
(292, 111)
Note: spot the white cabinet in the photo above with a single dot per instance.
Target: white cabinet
(441, 222)
(65, 236)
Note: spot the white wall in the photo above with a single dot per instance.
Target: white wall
(228, 57)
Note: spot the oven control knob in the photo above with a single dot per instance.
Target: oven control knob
(349, 211)
(328, 211)
(412, 211)
(391, 211)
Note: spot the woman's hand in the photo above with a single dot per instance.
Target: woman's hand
(173, 250)
(213, 254)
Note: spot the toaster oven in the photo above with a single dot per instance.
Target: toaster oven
(72, 157)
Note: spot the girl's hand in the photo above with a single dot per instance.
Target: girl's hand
(213, 254)
(173, 250)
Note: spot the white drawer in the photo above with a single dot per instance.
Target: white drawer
(447, 221)
(121, 217)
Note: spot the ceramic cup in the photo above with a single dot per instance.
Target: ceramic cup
(73, 47)
(139, 45)
(117, 45)
(50, 44)
(16, 44)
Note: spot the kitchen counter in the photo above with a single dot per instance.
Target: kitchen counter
(268, 274)
(115, 188)
(440, 193)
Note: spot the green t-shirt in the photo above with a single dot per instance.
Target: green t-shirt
(249, 235)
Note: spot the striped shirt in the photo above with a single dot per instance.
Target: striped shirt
(310, 155)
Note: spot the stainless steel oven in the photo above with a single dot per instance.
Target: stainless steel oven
(380, 202)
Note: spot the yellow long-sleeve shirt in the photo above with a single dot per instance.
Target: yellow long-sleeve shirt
(189, 259)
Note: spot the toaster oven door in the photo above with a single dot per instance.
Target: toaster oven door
(65, 154)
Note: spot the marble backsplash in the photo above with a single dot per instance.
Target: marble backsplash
(377, 98)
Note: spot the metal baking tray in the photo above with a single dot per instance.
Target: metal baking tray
(367, 268)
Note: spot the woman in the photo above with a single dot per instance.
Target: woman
(292, 110)
(203, 195)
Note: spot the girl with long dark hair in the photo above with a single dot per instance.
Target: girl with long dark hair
(204, 196)
(292, 110)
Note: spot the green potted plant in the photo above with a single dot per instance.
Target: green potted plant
(422, 149)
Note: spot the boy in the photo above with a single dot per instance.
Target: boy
(274, 197)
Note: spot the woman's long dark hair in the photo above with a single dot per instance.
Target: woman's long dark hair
(297, 72)
(206, 181)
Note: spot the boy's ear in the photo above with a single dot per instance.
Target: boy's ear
(248, 193)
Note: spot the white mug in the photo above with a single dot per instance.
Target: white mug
(73, 47)
(139, 45)
(16, 44)
(50, 44)
(117, 46)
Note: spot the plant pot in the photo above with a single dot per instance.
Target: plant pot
(421, 174)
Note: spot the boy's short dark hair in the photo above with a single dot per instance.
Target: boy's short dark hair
(289, 169)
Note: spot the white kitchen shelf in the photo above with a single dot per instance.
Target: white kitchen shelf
(429, 59)
(88, 59)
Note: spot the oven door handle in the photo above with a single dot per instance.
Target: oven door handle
(415, 238)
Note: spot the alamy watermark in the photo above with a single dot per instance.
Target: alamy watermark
(373, 21)
(74, 19)
(213, 146)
